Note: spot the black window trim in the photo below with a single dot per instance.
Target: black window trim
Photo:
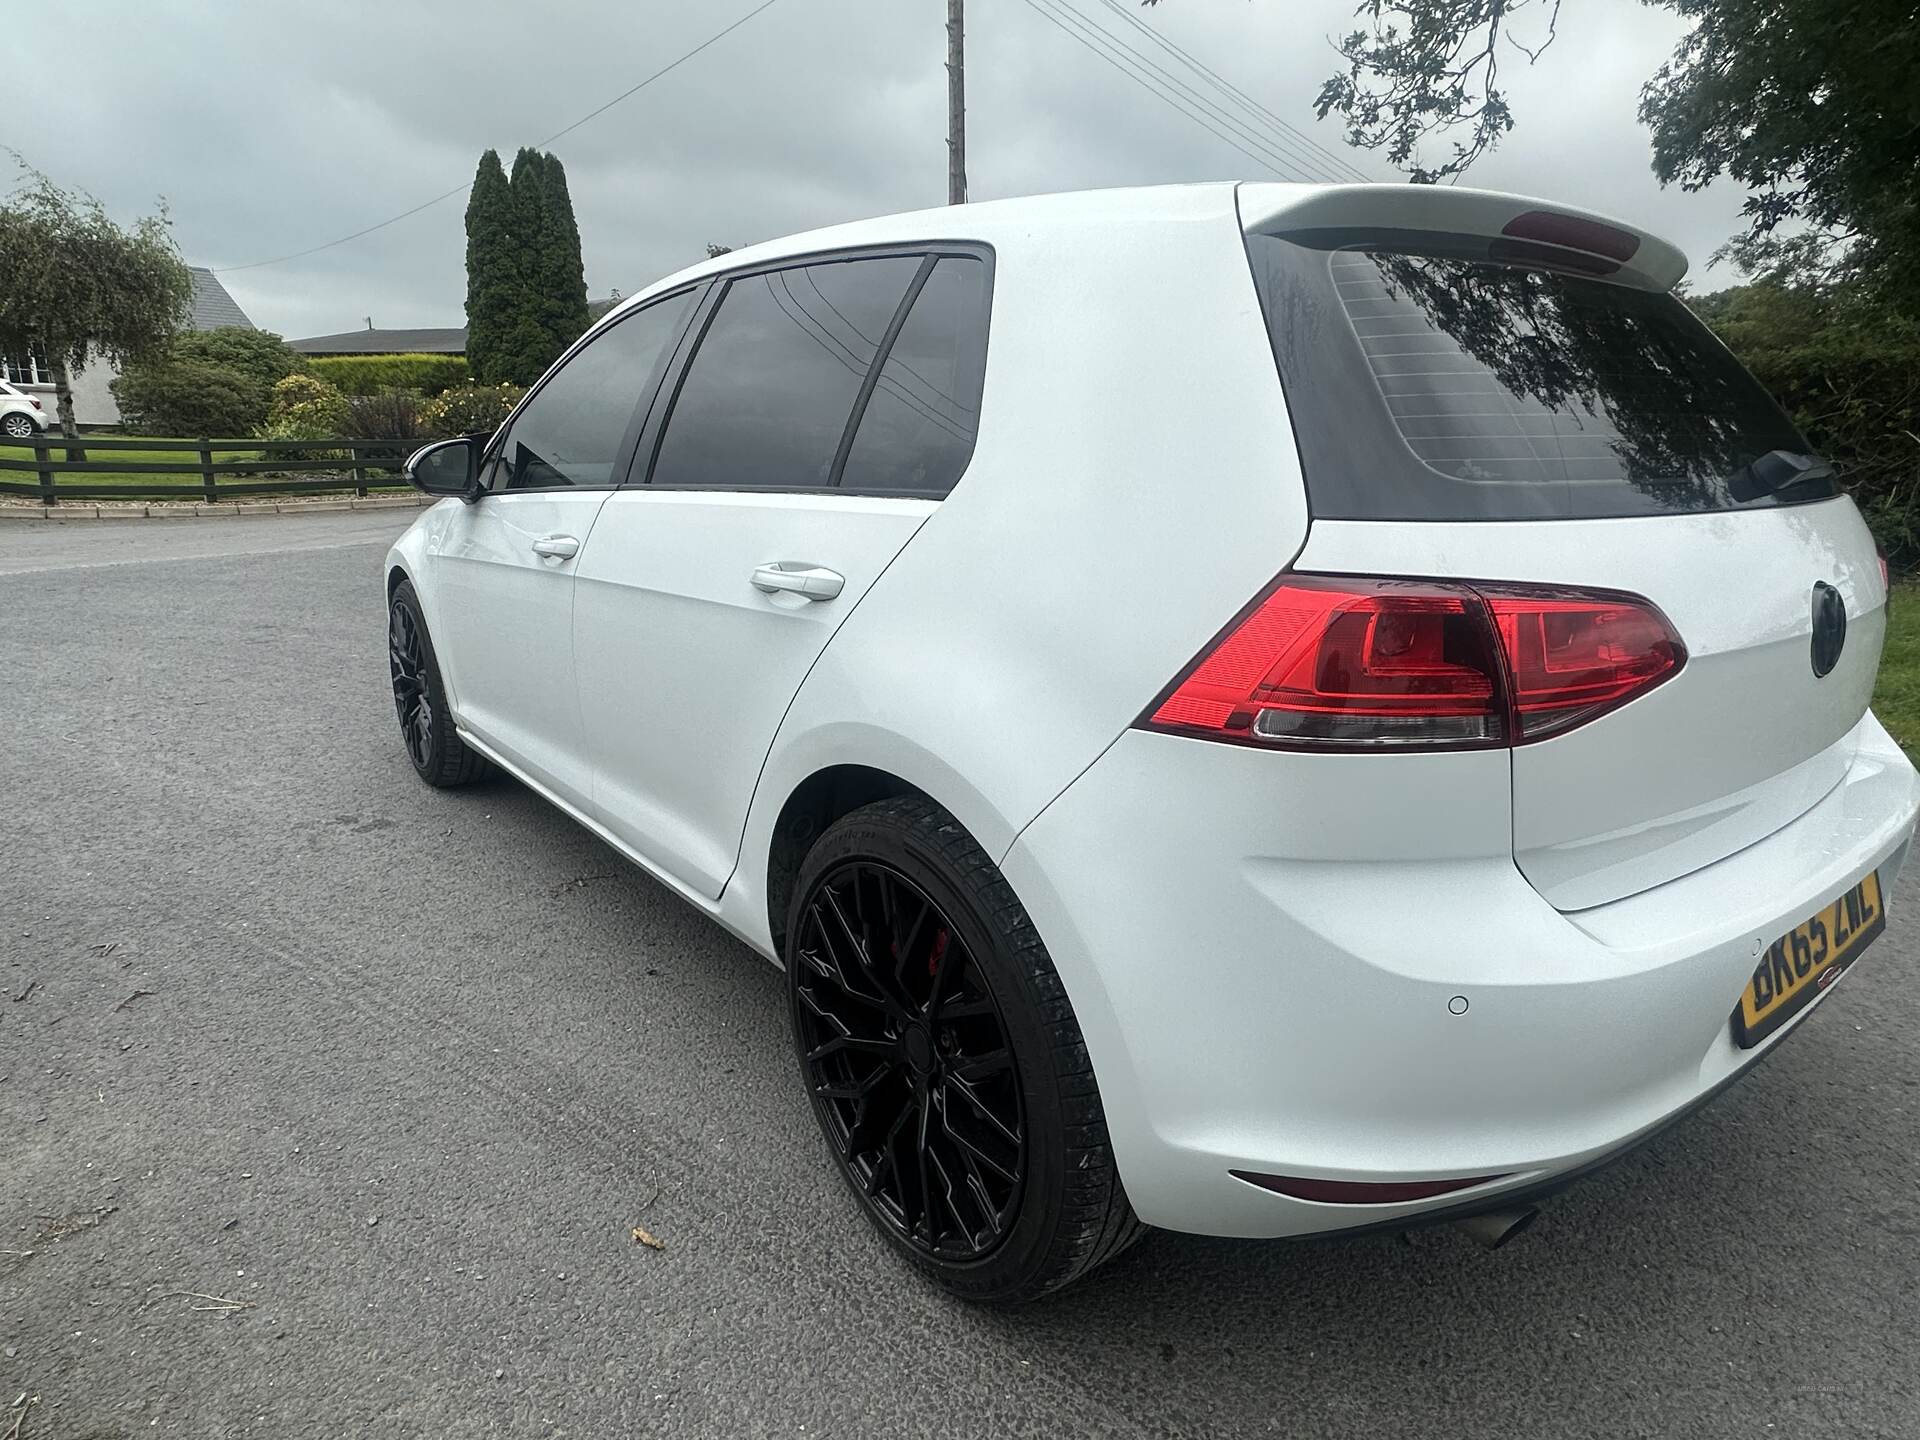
(930, 252)
(643, 404)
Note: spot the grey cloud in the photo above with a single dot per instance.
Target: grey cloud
(272, 127)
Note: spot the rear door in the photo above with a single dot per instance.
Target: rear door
(826, 409)
(503, 568)
(1485, 409)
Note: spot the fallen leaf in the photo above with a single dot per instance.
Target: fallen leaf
(641, 1237)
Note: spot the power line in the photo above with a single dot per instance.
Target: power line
(1177, 95)
(1227, 87)
(1292, 153)
(538, 145)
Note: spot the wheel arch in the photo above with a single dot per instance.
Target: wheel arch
(812, 777)
(814, 804)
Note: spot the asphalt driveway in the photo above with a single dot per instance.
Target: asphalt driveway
(329, 1104)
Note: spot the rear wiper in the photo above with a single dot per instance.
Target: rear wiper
(1775, 471)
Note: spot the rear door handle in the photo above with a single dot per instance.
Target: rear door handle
(556, 547)
(816, 582)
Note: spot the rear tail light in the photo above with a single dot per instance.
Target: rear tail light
(1345, 663)
(33, 402)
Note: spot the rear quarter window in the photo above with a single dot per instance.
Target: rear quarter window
(917, 432)
(1428, 382)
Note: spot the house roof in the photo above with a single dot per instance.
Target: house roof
(213, 307)
(448, 341)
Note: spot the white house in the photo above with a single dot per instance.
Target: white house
(93, 403)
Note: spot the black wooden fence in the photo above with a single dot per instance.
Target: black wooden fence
(348, 465)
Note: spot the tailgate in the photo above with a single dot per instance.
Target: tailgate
(1742, 741)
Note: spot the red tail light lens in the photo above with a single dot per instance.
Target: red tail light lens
(1339, 663)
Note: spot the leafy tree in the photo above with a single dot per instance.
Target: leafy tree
(714, 252)
(526, 288)
(79, 286)
(563, 281)
(493, 278)
(525, 344)
(1810, 104)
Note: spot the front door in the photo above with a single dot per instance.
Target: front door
(505, 583)
(504, 567)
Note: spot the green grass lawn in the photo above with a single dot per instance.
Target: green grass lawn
(1896, 699)
(140, 486)
(132, 482)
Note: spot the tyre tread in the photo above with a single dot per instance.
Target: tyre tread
(454, 763)
(1097, 1221)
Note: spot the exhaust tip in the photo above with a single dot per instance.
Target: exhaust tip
(1496, 1227)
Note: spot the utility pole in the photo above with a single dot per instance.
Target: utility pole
(956, 104)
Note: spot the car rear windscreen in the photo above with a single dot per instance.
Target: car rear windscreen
(1428, 382)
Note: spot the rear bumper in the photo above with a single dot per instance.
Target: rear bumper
(1257, 998)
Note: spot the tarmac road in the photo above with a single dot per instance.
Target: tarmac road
(401, 1070)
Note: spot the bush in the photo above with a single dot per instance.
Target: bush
(258, 355)
(391, 415)
(1858, 400)
(376, 374)
(305, 408)
(1848, 371)
(190, 399)
(471, 409)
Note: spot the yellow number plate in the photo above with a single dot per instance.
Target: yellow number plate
(1807, 959)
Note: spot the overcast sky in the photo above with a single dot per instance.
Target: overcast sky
(269, 128)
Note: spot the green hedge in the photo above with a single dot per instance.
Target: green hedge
(376, 374)
(1848, 370)
(1858, 400)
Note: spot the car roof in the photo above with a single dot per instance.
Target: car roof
(1028, 218)
(981, 222)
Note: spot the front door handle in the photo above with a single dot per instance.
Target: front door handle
(816, 582)
(556, 547)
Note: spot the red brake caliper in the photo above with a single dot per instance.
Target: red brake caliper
(938, 953)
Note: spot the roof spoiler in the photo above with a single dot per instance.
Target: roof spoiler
(1531, 229)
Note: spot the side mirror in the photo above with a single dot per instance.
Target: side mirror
(446, 467)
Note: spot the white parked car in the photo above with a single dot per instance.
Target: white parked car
(21, 417)
(1261, 710)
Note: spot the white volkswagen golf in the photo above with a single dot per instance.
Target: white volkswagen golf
(1260, 710)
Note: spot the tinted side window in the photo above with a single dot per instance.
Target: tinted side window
(570, 432)
(768, 394)
(917, 432)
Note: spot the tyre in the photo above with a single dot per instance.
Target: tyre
(438, 753)
(17, 426)
(943, 1060)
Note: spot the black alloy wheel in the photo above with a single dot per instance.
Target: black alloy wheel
(943, 1060)
(909, 1063)
(412, 701)
(440, 757)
